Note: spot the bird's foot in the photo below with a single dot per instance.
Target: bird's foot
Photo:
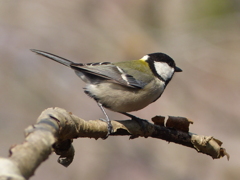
(138, 120)
(109, 127)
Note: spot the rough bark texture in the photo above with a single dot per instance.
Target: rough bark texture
(56, 128)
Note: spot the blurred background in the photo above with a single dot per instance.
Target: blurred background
(203, 37)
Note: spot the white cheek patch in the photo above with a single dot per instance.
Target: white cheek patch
(164, 70)
(144, 58)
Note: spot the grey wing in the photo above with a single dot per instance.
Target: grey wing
(108, 72)
(95, 72)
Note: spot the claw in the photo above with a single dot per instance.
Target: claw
(109, 126)
(138, 120)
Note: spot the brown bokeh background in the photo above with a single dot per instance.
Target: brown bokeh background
(202, 36)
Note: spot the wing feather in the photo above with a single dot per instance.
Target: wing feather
(109, 72)
(94, 72)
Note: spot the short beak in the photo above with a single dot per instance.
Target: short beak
(177, 69)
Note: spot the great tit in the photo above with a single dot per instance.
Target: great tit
(123, 86)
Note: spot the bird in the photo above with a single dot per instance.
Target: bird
(124, 86)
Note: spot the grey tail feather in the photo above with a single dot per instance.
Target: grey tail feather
(53, 57)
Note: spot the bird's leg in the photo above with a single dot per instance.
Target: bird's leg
(137, 119)
(107, 120)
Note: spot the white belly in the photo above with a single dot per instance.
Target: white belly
(123, 99)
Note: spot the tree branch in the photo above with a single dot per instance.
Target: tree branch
(55, 129)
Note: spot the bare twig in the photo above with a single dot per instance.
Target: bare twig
(55, 129)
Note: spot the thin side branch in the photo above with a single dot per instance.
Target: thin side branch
(55, 129)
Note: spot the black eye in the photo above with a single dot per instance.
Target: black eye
(171, 63)
(161, 57)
